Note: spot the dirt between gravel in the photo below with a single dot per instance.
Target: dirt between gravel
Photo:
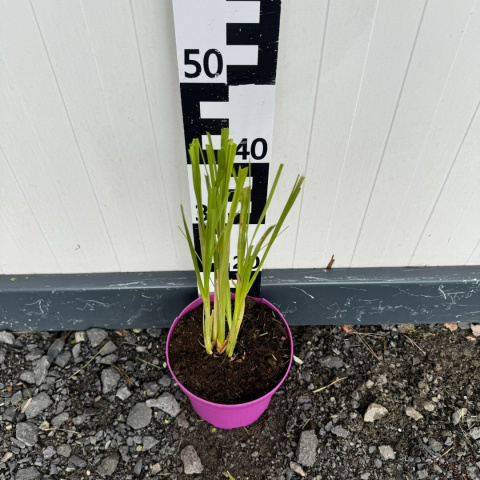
(429, 370)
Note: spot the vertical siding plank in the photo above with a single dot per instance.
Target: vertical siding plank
(12, 260)
(474, 258)
(42, 101)
(19, 142)
(347, 39)
(32, 249)
(452, 233)
(75, 66)
(378, 102)
(112, 33)
(156, 40)
(302, 31)
(449, 127)
(393, 37)
(442, 31)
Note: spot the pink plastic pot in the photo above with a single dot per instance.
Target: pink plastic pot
(229, 416)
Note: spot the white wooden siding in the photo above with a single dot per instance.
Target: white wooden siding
(377, 103)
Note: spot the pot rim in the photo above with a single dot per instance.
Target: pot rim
(261, 399)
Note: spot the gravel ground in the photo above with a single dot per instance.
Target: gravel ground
(405, 405)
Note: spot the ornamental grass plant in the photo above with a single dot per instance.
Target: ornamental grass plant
(224, 204)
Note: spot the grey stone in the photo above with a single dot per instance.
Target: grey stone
(3, 354)
(14, 399)
(459, 415)
(63, 358)
(165, 381)
(18, 443)
(154, 332)
(166, 403)
(124, 453)
(182, 421)
(108, 465)
(34, 354)
(151, 388)
(27, 433)
(40, 370)
(64, 450)
(435, 445)
(378, 463)
(386, 452)
(55, 348)
(365, 476)
(29, 473)
(422, 474)
(7, 337)
(191, 462)
(307, 448)
(60, 407)
(140, 416)
(38, 404)
(331, 362)
(148, 443)
(123, 393)
(475, 433)
(49, 452)
(110, 378)
(339, 431)
(108, 360)
(8, 415)
(27, 377)
(96, 336)
(59, 420)
(411, 412)
(76, 461)
(109, 348)
(374, 412)
(137, 470)
(76, 350)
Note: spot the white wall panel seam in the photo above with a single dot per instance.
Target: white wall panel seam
(362, 77)
(389, 130)
(27, 116)
(127, 183)
(444, 183)
(73, 132)
(319, 72)
(164, 190)
(30, 208)
(477, 246)
(425, 142)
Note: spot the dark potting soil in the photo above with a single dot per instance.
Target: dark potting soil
(259, 363)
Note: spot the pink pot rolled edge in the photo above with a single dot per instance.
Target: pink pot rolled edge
(229, 416)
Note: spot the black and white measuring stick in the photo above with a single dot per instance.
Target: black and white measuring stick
(227, 61)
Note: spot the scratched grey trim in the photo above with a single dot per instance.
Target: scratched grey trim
(306, 297)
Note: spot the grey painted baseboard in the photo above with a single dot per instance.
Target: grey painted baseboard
(358, 296)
